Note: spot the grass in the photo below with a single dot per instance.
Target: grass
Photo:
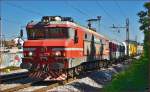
(134, 79)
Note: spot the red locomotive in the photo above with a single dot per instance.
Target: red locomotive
(58, 47)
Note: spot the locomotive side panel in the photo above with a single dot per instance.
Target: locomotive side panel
(106, 49)
(95, 48)
(76, 54)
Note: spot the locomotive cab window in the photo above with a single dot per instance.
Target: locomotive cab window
(85, 36)
(76, 37)
(48, 33)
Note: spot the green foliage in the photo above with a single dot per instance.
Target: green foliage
(147, 5)
(145, 17)
(135, 78)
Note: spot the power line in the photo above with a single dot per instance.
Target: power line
(24, 9)
(11, 21)
(77, 9)
(127, 33)
(121, 11)
(112, 18)
(104, 10)
(81, 12)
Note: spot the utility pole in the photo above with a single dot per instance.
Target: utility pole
(0, 41)
(99, 18)
(127, 33)
(90, 21)
(0, 35)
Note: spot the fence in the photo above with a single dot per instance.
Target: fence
(10, 59)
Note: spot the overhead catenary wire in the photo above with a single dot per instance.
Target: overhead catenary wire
(25, 9)
(22, 9)
(105, 11)
(37, 13)
(83, 13)
(10, 21)
(77, 9)
(108, 14)
(120, 9)
(80, 11)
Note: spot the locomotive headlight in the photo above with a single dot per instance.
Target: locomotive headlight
(57, 53)
(30, 53)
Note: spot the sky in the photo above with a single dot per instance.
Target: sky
(15, 14)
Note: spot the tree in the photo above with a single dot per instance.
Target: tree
(145, 26)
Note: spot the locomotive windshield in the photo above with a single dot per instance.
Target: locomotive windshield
(47, 33)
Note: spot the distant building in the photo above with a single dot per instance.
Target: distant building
(12, 43)
(8, 43)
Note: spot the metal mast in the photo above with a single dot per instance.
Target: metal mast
(94, 20)
(0, 35)
(127, 33)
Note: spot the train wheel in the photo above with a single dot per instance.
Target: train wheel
(101, 64)
(67, 73)
(77, 70)
(70, 72)
(98, 65)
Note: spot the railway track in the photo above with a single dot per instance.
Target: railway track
(37, 83)
(50, 85)
(55, 84)
(21, 86)
(12, 77)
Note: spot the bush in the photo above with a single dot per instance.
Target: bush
(135, 78)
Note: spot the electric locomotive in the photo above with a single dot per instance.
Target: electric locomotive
(57, 47)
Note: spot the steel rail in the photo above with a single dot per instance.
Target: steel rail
(15, 76)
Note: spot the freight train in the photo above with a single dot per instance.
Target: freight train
(57, 47)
